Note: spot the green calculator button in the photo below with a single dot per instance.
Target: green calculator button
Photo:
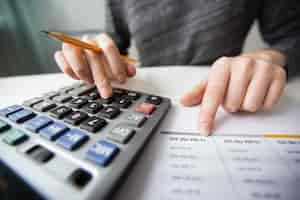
(3, 126)
(14, 137)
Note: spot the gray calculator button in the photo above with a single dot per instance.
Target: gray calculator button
(62, 98)
(135, 119)
(32, 101)
(44, 106)
(121, 134)
(82, 90)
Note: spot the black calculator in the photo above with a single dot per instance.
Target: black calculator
(74, 144)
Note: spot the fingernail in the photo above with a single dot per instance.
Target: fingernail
(205, 129)
(105, 93)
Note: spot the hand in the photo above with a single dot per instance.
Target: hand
(95, 68)
(245, 83)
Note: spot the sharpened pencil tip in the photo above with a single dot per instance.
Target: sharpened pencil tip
(46, 32)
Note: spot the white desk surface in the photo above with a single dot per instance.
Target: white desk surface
(171, 81)
(167, 81)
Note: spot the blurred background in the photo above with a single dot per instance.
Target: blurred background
(23, 50)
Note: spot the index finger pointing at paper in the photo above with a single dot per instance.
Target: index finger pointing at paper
(214, 94)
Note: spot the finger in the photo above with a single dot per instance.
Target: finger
(276, 89)
(77, 61)
(130, 70)
(64, 65)
(194, 97)
(113, 56)
(241, 73)
(214, 94)
(97, 64)
(258, 86)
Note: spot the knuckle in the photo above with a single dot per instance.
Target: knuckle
(108, 46)
(87, 38)
(223, 60)
(266, 57)
(246, 61)
(266, 66)
(281, 73)
(67, 48)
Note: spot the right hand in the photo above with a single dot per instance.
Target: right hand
(95, 68)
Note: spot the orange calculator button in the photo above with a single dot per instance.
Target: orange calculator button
(146, 108)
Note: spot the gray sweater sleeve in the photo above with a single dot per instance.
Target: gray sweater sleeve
(116, 28)
(279, 22)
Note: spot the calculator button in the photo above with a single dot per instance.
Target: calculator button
(78, 85)
(118, 92)
(3, 126)
(93, 95)
(78, 102)
(76, 117)
(50, 95)
(105, 101)
(72, 139)
(40, 154)
(123, 102)
(32, 101)
(14, 137)
(135, 119)
(80, 178)
(37, 123)
(21, 116)
(63, 98)
(102, 152)
(93, 107)
(82, 90)
(121, 134)
(66, 89)
(44, 106)
(60, 112)
(154, 100)
(53, 131)
(10, 110)
(93, 124)
(146, 108)
(133, 95)
(109, 112)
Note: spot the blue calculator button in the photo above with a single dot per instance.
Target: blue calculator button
(53, 131)
(21, 116)
(38, 123)
(72, 139)
(9, 110)
(102, 152)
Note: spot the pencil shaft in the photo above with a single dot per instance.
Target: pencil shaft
(79, 43)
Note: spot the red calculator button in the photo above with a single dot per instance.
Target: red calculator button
(146, 108)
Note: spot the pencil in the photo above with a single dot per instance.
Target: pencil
(68, 39)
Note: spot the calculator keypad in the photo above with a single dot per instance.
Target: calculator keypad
(77, 119)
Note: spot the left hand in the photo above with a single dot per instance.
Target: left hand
(249, 82)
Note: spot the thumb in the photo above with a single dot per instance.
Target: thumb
(194, 97)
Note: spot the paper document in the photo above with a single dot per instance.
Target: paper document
(284, 118)
(176, 166)
(235, 163)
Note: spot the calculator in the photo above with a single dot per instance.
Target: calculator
(74, 144)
